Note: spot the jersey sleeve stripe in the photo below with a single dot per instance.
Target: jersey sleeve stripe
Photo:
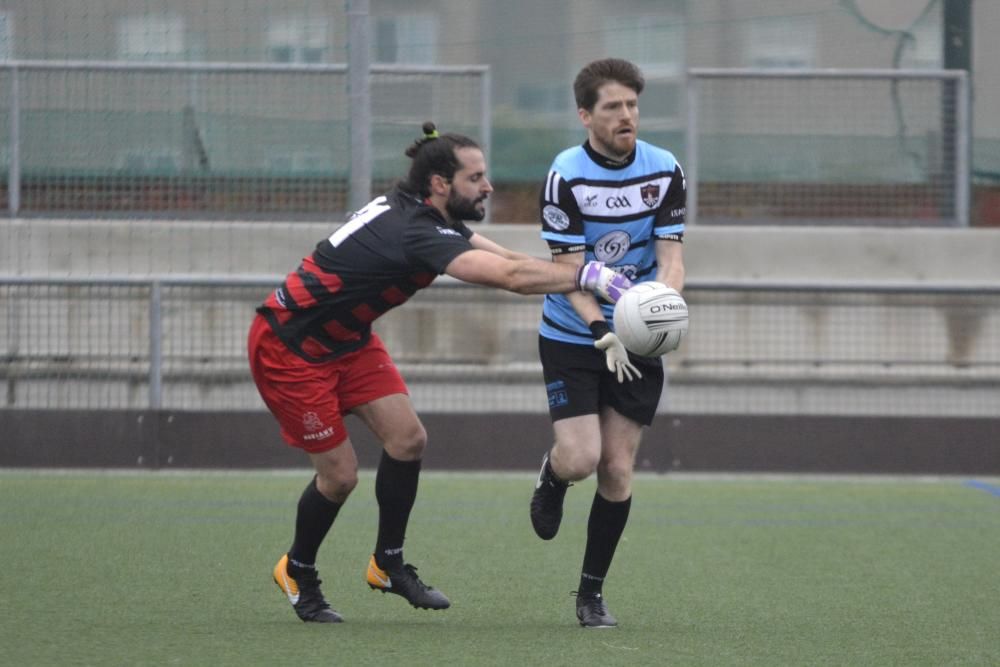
(564, 238)
(552, 188)
(669, 229)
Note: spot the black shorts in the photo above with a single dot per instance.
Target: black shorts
(578, 382)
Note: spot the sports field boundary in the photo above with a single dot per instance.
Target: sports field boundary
(512, 441)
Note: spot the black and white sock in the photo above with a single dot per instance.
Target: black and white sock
(396, 491)
(313, 520)
(604, 529)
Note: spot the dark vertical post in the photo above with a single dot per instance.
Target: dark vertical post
(957, 44)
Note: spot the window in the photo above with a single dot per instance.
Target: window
(787, 42)
(151, 37)
(405, 38)
(653, 42)
(298, 40)
(656, 43)
(544, 97)
(149, 160)
(301, 162)
(926, 49)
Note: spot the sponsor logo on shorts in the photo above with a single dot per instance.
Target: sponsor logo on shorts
(319, 435)
(557, 394)
(315, 428)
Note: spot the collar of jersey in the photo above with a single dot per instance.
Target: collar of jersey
(424, 205)
(606, 162)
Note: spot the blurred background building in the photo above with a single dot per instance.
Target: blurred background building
(288, 138)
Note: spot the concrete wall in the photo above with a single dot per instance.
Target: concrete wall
(712, 253)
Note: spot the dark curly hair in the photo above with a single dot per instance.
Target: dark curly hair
(431, 154)
(600, 72)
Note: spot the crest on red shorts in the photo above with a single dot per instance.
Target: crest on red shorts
(312, 422)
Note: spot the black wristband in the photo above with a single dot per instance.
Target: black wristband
(598, 328)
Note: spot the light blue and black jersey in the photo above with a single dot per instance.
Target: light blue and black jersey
(613, 212)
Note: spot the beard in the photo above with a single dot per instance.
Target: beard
(614, 146)
(460, 208)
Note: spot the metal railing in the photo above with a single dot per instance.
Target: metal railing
(179, 343)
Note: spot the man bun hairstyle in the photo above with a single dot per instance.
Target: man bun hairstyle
(433, 153)
(600, 72)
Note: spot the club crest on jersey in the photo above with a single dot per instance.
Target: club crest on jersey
(650, 194)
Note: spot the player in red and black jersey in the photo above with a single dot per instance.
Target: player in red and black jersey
(315, 358)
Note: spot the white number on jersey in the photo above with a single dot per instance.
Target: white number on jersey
(372, 210)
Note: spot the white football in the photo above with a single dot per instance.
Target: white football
(651, 319)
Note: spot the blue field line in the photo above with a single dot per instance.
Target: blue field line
(992, 489)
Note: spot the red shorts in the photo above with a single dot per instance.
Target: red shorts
(309, 399)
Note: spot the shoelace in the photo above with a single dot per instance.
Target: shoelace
(593, 599)
(309, 583)
(412, 571)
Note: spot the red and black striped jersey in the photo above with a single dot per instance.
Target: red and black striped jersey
(374, 262)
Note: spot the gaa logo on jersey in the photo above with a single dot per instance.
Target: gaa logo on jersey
(612, 246)
(650, 194)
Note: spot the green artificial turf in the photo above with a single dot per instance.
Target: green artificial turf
(174, 569)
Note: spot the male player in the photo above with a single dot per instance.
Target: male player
(315, 358)
(621, 201)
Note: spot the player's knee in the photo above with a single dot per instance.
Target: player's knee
(616, 473)
(337, 484)
(408, 445)
(574, 463)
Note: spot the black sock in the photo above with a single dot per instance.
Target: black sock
(604, 528)
(396, 491)
(315, 515)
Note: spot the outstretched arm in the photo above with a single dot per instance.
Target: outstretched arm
(481, 242)
(534, 276)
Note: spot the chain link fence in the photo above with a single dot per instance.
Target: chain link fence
(875, 147)
(213, 140)
(180, 344)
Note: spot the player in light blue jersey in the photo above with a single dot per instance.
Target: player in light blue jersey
(621, 201)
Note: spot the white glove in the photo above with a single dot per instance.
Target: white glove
(615, 354)
(602, 281)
